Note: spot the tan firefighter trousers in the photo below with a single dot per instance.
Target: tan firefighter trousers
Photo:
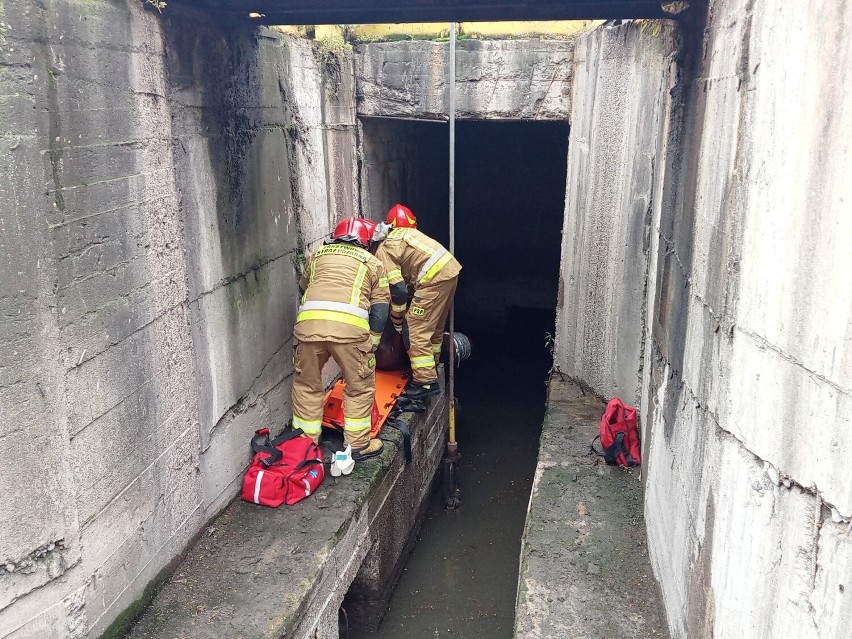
(359, 372)
(426, 317)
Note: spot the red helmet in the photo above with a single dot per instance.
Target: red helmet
(401, 216)
(355, 230)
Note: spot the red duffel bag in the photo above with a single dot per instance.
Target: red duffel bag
(618, 434)
(284, 470)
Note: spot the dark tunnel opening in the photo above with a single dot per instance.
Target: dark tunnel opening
(509, 203)
(461, 576)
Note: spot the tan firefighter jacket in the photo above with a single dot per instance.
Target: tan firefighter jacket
(414, 259)
(345, 298)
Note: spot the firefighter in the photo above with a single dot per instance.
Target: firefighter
(345, 302)
(415, 260)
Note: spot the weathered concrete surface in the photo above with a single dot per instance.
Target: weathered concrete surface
(748, 381)
(618, 114)
(155, 174)
(261, 184)
(495, 79)
(99, 409)
(585, 571)
(396, 511)
(745, 374)
(259, 572)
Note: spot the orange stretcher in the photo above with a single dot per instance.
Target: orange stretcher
(389, 386)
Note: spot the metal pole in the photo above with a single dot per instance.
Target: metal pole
(452, 446)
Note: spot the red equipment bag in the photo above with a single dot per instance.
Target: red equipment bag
(284, 470)
(618, 434)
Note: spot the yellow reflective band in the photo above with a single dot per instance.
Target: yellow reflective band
(399, 308)
(425, 361)
(334, 316)
(313, 267)
(436, 255)
(402, 233)
(344, 249)
(321, 305)
(310, 426)
(356, 287)
(375, 338)
(383, 281)
(420, 246)
(394, 274)
(357, 423)
(436, 267)
(436, 348)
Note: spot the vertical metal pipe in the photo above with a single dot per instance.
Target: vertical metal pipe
(452, 114)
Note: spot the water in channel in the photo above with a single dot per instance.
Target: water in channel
(461, 578)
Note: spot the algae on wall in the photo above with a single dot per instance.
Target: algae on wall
(149, 233)
(613, 154)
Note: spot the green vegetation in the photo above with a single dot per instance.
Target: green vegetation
(550, 345)
(675, 6)
(159, 5)
(330, 52)
(332, 49)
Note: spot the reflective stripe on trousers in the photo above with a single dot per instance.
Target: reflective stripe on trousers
(357, 423)
(308, 426)
(427, 361)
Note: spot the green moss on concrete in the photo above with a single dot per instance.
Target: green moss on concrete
(118, 628)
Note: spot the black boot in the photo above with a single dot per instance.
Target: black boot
(421, 390)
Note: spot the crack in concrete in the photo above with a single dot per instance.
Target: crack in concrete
(819, 522)
(230, 279)
(777, 476)
(764, 343)
(85, 524)
(154, 556)
(119, 298)
(822, 508)
(249, 399)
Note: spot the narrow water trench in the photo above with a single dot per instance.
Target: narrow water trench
(461, 578)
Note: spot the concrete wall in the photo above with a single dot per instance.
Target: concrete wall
(618, 114)
(745, 374)
(748, 387)
(155, 175)
(506, 79)
(404, 162)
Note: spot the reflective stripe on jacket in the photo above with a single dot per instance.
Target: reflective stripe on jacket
(341, 283)
(415, 258)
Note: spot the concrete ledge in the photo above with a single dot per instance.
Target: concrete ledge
(260, 572)
(527, 79)
(585, 571)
